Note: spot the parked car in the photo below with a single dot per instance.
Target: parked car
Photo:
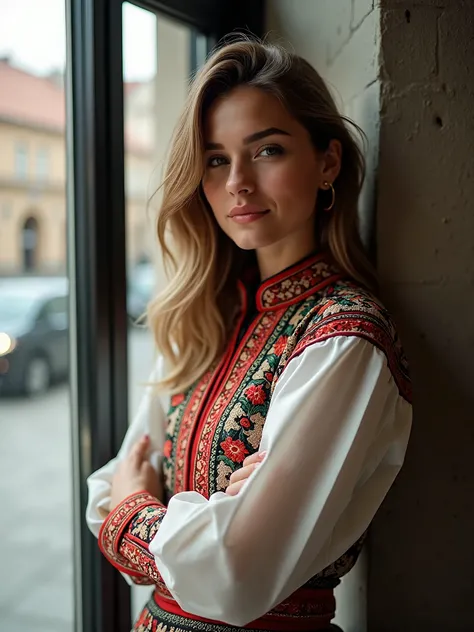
(34, 327)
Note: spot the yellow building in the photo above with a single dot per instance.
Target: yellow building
(33, 171)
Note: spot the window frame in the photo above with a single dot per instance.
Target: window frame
(97, 262)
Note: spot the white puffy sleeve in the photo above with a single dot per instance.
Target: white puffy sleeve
(150, 419)
(336, 435)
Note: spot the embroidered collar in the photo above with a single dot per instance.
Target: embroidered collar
(296, 283)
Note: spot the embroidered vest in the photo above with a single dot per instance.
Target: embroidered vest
(217, 422)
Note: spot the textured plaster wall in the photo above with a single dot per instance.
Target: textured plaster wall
(404, 71)
(422, 544)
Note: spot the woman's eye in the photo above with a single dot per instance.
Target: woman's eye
(271, 150)
(216, 161)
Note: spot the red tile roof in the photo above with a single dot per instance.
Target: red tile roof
(31, 100)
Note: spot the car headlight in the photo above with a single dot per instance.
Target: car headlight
(7, 343)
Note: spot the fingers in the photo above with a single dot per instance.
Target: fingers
(254, 458)
(243, 473)
(234, 489)
(147, 469)
(240, 477)
(248, 466)
(139, 451)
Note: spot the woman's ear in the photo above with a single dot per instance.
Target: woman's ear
(332, 160)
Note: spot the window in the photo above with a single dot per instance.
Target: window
(42, 164)
(156, 78)
(36, 550)
(21, 161)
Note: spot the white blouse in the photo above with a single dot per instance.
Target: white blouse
(335, 435)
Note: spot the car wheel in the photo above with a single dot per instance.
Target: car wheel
(37, 376)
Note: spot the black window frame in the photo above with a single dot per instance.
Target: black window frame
(97, 261)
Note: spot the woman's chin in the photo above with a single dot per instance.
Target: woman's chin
(252, 242)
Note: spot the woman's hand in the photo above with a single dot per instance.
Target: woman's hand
(239, 478)
(135, 474)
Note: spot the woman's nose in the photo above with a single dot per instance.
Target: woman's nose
(239, 181)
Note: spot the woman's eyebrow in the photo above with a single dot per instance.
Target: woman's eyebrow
(271, 131)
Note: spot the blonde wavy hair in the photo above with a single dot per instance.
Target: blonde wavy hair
(192, 318)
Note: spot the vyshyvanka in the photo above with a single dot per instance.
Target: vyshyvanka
(315, 376)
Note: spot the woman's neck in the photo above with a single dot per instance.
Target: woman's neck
(272, 260)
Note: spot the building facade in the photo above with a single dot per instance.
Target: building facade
(33, 171)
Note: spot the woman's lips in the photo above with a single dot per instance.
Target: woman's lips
(247, 213)
(249, 217)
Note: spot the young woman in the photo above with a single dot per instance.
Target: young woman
(279, 410)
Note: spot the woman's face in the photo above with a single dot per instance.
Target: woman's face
(262, 172)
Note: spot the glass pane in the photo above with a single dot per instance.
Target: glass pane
(159, 57)
(35, 460)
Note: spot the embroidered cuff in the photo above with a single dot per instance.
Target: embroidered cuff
(116, 524)
(136, 539)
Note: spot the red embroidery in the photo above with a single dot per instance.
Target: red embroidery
(298, 283)
(167, 448)
(245, 423)
(256, 394)
(220, 420)
(115, 524)
(280, 345)
(185, 430)
(216, 423)
(136, 539)
(235, 450)
(177, 400)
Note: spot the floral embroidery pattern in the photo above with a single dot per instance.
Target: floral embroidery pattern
(349, 311)
(234, 450)
(220, 420)
(280, 345)
(183, 417)
(114, 526)
(297, 284)
(245, 423)
(256, 394)
(136, 538)
(254, 435)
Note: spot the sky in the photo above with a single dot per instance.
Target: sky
(33, 35)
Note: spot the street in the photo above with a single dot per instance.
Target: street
(36, 584)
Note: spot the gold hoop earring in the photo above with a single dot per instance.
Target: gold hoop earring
(328, 185)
